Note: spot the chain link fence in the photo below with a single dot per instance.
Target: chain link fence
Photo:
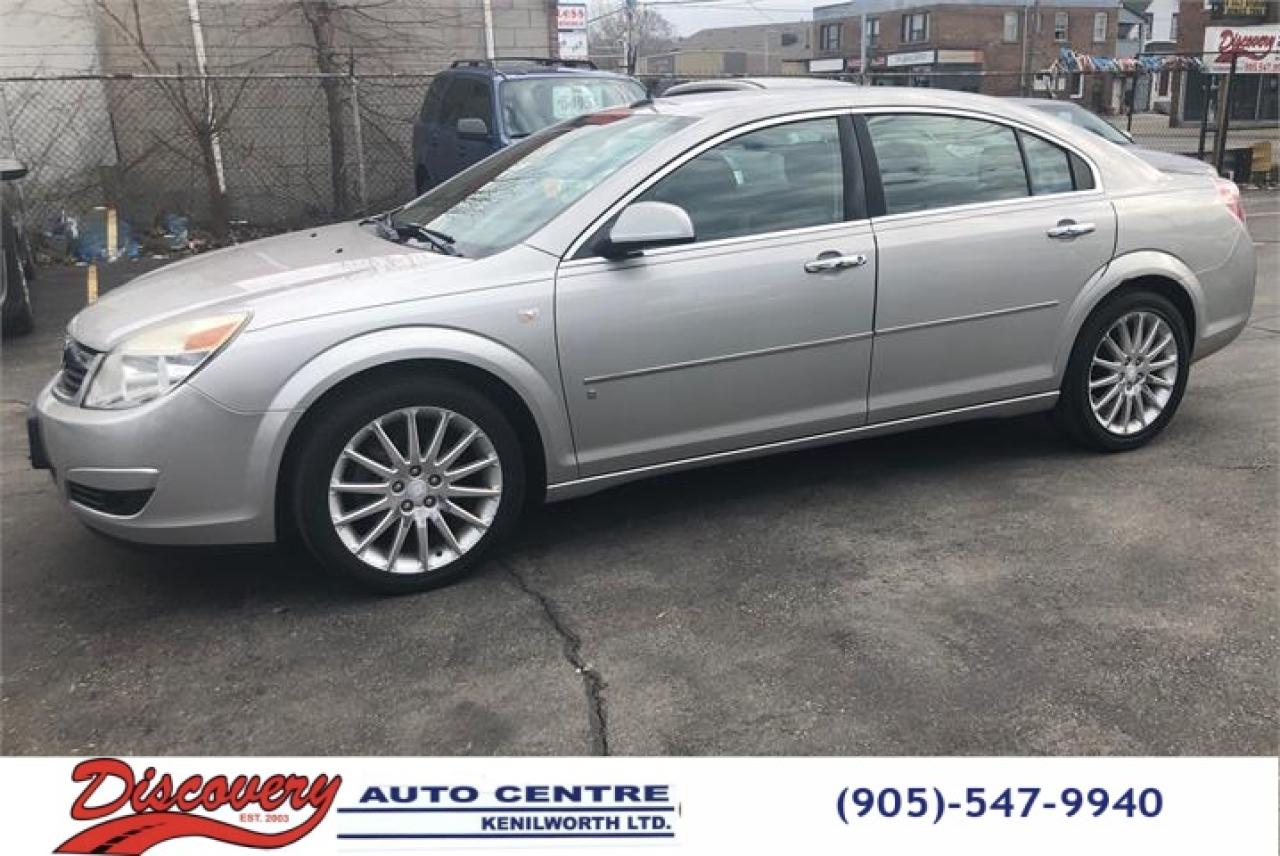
(227, 157)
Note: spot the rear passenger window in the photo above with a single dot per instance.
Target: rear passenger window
(1048, 166)
(431, 104)
(467, 98)
(939, 161)
(781, 177)
(1081, 173)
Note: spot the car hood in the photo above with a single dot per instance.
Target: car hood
(1168, 162)
(239, 276)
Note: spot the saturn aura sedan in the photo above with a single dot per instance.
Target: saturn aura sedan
(636, 291)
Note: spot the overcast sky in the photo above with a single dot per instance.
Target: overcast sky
(689, 16)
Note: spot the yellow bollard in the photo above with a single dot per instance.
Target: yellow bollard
(91, 285)
(113, 235)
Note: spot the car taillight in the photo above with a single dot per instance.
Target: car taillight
(1229, 195)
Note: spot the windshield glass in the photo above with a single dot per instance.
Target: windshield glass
(1082, 118)
(535, 103)
(506, 197)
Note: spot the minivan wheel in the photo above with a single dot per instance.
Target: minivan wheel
(407, 486)
(1127, 372)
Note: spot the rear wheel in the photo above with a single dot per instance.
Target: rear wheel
(407, 486)
(1127, 372)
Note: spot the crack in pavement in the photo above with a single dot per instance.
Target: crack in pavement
(592, 683)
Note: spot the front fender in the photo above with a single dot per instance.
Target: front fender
(384, 347)
(1118, 271)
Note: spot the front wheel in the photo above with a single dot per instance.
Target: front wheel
(407, 486)
(1127, 372)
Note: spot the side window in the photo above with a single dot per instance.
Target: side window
(939, 161)
(781, 177)
(1081, 173)
(1048, 166)
(431, 104)
(467, 98)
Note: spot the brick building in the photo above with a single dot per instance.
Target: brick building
(989, 47)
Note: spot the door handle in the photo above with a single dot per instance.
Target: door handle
(834, 261)
(1070, 229)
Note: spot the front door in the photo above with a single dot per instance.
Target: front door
(986, 237)
(467, 98)
(757, 332)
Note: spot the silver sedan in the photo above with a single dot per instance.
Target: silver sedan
(634, 292)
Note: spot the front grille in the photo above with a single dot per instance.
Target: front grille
(77, 360)
(119, 502)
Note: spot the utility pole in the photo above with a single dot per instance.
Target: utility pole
(486, 10)
(202, 66)
(628, 37)
(862, 48)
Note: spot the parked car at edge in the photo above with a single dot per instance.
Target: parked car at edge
(16, 317)
(477, 107)
(634, 292)
(1072, 113)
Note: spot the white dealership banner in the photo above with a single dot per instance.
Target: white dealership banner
(1256, 49)
(212, 806)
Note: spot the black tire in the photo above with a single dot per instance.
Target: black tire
(16, 316)
(341, 418)
(1074, 413)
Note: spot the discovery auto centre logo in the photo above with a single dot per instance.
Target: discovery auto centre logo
(134, 812)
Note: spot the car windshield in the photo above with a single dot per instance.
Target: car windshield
(1080, 117)
(506, 197)
(535, 103)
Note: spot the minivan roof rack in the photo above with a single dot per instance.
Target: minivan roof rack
(548, 62)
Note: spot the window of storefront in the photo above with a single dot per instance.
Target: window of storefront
(829, 38)
(1010, 26)
(915, 27)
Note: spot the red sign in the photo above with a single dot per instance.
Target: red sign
(160, 809)
(1256, 50)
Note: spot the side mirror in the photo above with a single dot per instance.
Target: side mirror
(643, 225)
(473, 127)
(11, 169)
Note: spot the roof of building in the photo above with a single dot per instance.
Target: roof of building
(853, 8)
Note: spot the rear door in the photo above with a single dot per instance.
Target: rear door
(468, 97)
(986, 233)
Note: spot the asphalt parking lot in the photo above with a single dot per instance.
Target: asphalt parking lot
(976, 589)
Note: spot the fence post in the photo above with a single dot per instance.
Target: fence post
(1224, 116)
(1204, 113)
(358, 131)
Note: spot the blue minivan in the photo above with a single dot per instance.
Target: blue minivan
(478, 106)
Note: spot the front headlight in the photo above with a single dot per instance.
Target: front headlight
(153, 362)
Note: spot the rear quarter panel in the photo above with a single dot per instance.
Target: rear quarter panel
(1184, 219)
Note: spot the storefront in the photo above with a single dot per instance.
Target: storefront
(941, 69)
(1255, 89)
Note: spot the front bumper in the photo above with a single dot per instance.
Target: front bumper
(179, 470)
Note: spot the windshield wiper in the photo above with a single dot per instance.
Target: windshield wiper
(399, 232)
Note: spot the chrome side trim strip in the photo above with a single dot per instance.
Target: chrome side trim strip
(977, 316)
(708, 361)
(1008, 406)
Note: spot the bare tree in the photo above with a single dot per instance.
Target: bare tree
(630, 32)
(320, 15)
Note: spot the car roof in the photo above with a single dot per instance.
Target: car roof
(728, 84)
(751, 104)
(523, 67)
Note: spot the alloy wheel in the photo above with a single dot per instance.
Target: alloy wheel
(1133, 373)
(415, 490)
